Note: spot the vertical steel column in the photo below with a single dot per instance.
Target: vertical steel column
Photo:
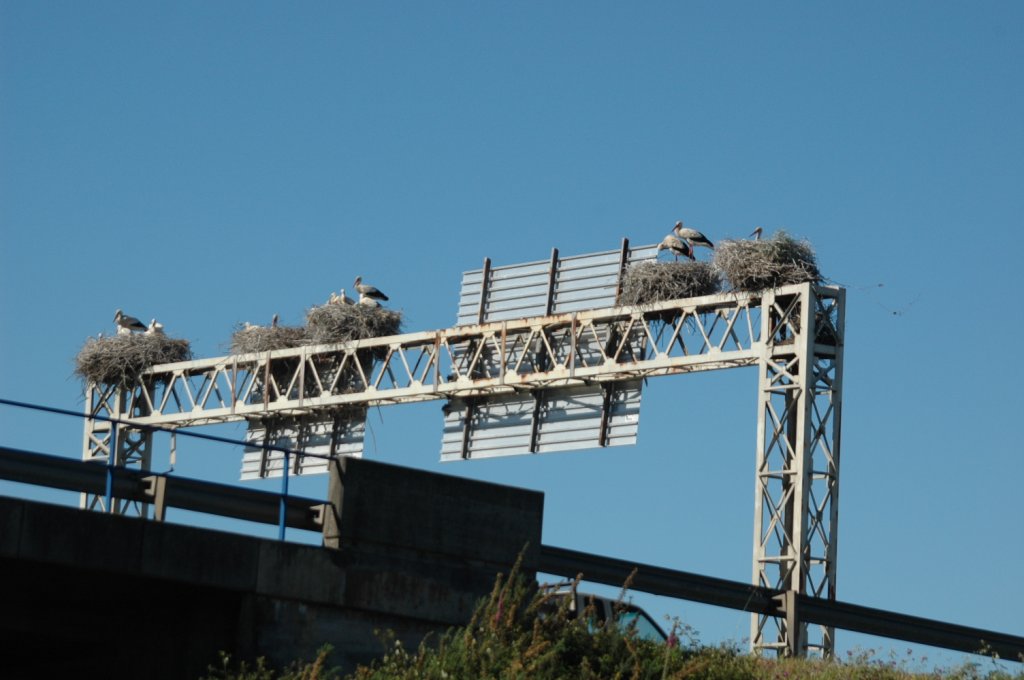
(99, 441)
(796, 491)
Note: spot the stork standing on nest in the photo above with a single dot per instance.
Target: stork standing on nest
(367, 291)
(756, 234)
(126, 324)
(676, 246)
(692, 236)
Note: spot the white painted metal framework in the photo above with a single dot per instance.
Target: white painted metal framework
(794, 334)
(796, 492)
(129, 447)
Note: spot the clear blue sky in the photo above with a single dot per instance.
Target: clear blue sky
(211, 163)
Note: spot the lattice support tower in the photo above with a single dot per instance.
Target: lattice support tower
(796, 492)
(793, 334)
(131, 447)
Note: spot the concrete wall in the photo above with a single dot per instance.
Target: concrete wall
(410, 551)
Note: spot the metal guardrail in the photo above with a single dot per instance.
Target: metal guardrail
(306, 513)
(657, 580)
(750, 598)
(162, 491)
(159, 487)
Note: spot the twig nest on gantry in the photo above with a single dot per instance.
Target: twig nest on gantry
(248, 338)
(650, 282)
(756, 265)
(117, 360)
(336, 322)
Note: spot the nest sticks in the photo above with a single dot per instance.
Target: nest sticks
(650, 282)
(118, 359)
(776, 261)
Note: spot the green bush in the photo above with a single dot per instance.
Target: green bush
(519, 633)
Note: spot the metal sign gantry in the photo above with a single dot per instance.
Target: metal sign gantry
(793, 334)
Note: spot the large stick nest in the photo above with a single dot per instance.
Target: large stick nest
(335, 322)
(117, 360)
(773, 262)
(650, 282)
(248, 339)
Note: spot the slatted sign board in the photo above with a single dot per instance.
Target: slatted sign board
(557, 419)
(564, 419)
(553, 286)
(317, 434)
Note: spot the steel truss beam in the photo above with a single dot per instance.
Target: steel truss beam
(794, 334)
(579, 348)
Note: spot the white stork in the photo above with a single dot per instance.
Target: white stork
(367, 301)
(368, 291)
(692, 236)
(155, 328)
(345, 299)
(273, 321)
(126, 324)
(757, 233)
(676, 246)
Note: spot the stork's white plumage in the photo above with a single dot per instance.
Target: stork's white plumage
(368, 301)
(345, 299)
(273, 321)
(692, 236)
(155, 328)
(757, 233)
(365, 290)
(126, 324)
(676, 246)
